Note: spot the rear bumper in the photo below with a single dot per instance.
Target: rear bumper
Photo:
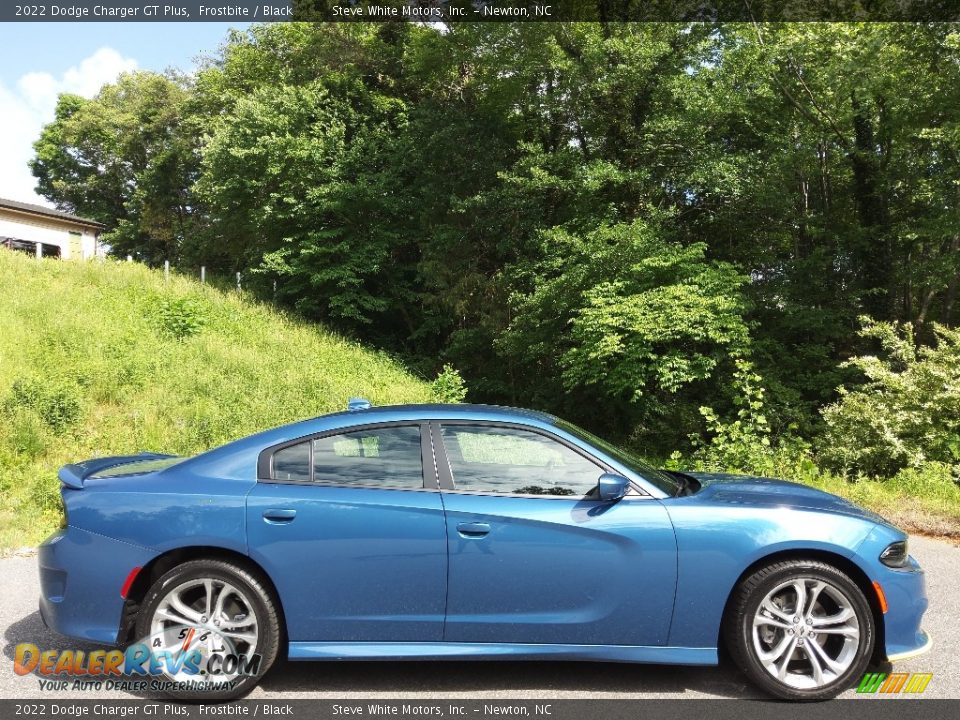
(81, 574)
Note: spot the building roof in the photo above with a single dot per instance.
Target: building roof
(32, 209)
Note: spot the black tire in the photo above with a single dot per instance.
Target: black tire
(254, 589)
(739, 631)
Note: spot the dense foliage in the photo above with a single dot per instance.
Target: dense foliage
(624, 224)
(907, 413)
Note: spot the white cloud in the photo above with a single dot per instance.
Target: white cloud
(25, 108)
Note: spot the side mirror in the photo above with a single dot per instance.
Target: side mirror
(612, 487)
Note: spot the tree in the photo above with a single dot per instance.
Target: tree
(124, 158)
(636, 324)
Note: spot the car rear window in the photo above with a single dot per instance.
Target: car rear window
(138, 467)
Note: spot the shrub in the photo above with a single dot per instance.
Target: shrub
(927, 480)
(177, 317)
(907, 413)
(25, 433)
(742, 443)
(56, 403)
(448, 386)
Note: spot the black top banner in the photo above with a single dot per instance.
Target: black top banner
(451, 11)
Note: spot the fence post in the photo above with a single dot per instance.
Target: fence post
(39, 251)
(238, 282)
(203, 274)
(166, 271)
(274, 288)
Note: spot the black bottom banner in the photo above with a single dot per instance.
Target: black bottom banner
(874, 708)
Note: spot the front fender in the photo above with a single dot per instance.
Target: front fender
(715, 545)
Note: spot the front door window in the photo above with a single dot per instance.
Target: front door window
(516, 462)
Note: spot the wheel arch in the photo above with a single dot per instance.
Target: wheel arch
(841, 563)
(159, 565)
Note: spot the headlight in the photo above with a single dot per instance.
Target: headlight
(895, 554)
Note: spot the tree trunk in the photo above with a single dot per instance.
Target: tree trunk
(873, 251)
(951, 297)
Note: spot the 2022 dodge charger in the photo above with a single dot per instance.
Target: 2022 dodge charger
(465, 531)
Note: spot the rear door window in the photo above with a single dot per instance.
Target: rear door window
(387, 457)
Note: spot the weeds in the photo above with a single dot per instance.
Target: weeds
(106, 358)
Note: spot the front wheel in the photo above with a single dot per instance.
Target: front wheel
(801, 630)
(211, 628)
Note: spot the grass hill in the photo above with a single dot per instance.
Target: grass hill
(106, 358)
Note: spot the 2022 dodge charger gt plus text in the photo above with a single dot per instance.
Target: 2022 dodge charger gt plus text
(465, 531)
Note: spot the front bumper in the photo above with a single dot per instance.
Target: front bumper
(909, 654)
(906, 594)
(81, 574)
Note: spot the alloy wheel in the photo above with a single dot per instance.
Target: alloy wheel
(209, 615)
(806, 633)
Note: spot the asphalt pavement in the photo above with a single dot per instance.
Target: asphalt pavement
(493, 679)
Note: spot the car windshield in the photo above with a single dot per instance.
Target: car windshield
(659, 478)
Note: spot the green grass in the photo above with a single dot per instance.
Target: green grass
(926, 501)
(105, 358)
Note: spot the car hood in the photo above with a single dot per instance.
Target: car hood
(723, 488)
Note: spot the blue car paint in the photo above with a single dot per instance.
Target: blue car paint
(644, 579)
(905, 590)
(508, 651)
(81, 574)
(559, 570)
(356, 564)
(160, 510)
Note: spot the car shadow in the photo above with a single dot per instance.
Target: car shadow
(496, 677)
(474, 678)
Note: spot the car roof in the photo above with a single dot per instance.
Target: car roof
(433, 411)
(382, 414)
(239, 459)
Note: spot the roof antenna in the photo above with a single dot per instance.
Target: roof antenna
(358, 404)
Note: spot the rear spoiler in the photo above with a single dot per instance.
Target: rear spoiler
(73, 475)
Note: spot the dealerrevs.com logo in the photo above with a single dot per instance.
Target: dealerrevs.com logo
(894, 683)
(176, 658)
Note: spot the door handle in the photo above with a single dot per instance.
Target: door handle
(279, 516)
(473, 530)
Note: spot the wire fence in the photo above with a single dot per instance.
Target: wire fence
(204, 274)
(236, 280)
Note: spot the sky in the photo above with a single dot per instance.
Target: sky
(38, 61)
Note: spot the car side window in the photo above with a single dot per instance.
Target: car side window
(380, 457)
(386, 457)
(516, 462)
(292, 463)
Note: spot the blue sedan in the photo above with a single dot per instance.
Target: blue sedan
(468, 532)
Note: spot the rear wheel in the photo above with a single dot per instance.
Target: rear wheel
(801, 630)
(212, 628)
